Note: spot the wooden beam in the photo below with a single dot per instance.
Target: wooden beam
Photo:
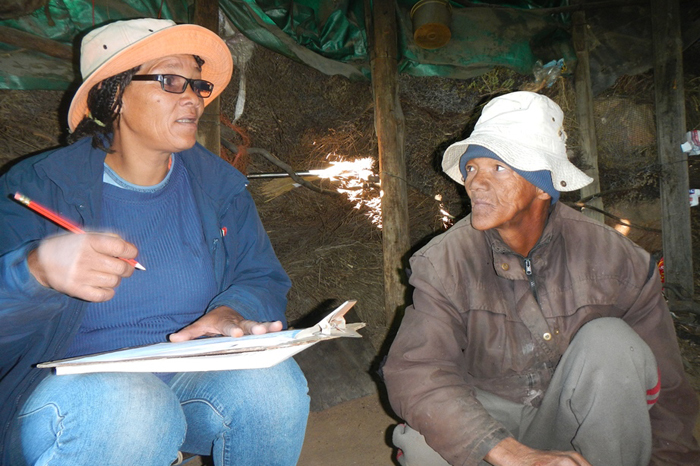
(670, 132)
(25, 40)
(389, 124)
(206, 14)
(584, 113)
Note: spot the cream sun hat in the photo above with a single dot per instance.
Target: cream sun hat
(526, 131)
(122, 45)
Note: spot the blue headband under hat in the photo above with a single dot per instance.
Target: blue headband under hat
(541, 178)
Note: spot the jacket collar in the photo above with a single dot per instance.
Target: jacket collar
(77, 172)
(75, 169)
(78, 169)
(498, 246)
(213, 175)
(509, 265)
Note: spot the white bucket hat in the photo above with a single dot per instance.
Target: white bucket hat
(122, 45)
(526, 131)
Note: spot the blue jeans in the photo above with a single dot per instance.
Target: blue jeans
(246, 417)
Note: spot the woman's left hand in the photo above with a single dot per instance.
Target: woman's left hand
(224, 321)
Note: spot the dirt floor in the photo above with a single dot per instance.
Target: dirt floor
(330, 246)
(356, 432)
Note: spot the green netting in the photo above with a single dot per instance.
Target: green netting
(329, 36)
(65, 21)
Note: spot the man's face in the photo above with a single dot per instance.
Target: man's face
(500, 198)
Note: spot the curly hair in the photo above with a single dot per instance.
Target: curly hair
(104, 102)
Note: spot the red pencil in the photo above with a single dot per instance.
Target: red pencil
(67, 224)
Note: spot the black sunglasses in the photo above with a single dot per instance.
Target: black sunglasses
(177, 84)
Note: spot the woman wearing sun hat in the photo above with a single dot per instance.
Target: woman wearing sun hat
(134, 178)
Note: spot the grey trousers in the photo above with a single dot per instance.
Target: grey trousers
(596, 403)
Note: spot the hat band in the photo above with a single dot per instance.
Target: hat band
(540, 178)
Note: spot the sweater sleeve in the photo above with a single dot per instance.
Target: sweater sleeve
(425, 380)
(674, 415)
(256, 283)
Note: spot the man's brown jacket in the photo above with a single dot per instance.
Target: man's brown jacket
(483, 316)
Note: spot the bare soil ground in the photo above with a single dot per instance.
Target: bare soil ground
(330, 247)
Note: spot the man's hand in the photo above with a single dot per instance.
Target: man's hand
(85, 266)
(224, 321)
(510, 452)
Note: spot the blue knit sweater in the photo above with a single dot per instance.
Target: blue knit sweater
(179, 281)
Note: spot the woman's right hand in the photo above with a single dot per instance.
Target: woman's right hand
(85, 266)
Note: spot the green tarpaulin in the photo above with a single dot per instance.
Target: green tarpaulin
(329, 36)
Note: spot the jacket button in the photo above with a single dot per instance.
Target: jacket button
(505, 266)
(563, 183)
(547, 336)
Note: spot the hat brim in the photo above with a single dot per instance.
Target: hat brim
(187, 39)
(565, 175)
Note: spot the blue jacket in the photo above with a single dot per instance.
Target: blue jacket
(37, 324)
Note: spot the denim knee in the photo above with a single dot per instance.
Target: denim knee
(235, 395)
(245, 417)
(120, 418)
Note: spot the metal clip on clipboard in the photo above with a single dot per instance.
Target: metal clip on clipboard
(334, 324)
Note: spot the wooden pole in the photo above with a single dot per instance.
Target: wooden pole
(389, 125)
(206, 14)
(25, 40)
(670, 132)
(584, 113)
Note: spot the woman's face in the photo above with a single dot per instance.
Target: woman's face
(153, 120)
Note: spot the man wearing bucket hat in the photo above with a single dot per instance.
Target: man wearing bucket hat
(536, 335)
(136, 181)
